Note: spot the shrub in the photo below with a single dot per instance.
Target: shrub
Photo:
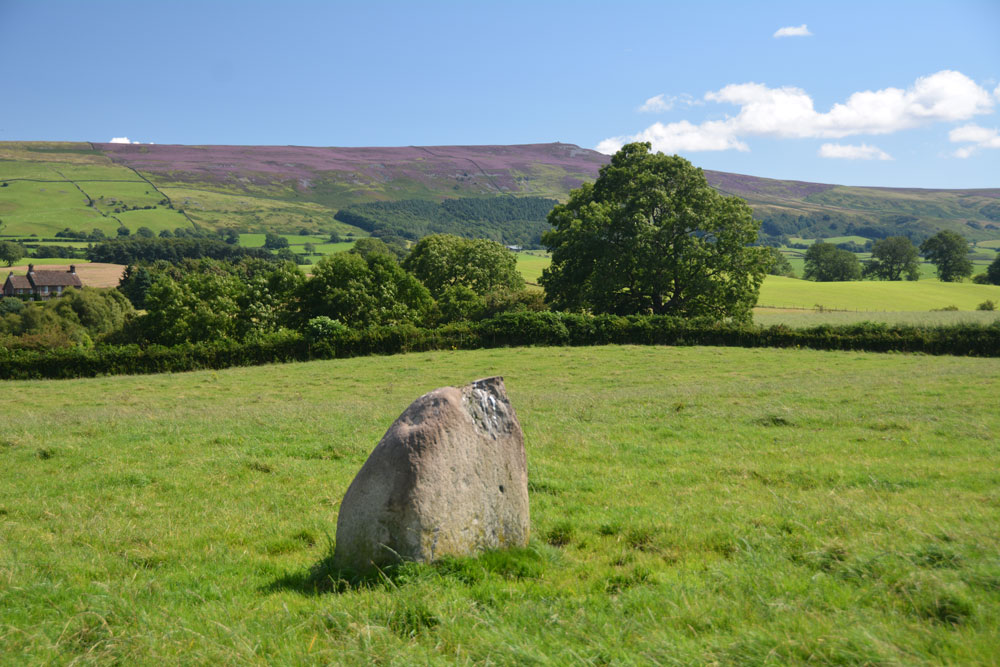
(987, 305)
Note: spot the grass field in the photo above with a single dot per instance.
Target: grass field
(873, 295)
(689, 505)
(257, 241)
(530, 263)
(46, 208)
(217, 209)
(798, 318)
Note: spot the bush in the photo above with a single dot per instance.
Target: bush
(987, 305)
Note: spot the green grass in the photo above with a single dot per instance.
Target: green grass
(24, 261)
(860, 240)
(46, 208)
(873, 295)
(812, 318)
(689, 506)
(531, 263)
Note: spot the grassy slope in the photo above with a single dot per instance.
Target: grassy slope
(64, 177)
(711, 505)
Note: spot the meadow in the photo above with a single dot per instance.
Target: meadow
(689, 505)
(874, 295)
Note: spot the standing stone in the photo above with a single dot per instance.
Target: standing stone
(449, 478)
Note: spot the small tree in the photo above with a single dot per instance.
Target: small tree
(124, 231)
(780, 266)
(145, 232)
(275, 242)
(363, 291)
(826, 262)
(11, 252)
(993, 272)
(892, 257)
(442, 261)
(949, 252)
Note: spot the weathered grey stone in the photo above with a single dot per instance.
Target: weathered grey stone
(449, 477)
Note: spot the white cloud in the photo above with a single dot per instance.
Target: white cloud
(121, 140)
(853, 152)
(979, 137)
(657, 103)
(788, 112)
(661, 102)
(679, 137)
(996, 92)
(793, 31)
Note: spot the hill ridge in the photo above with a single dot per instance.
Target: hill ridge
(282, 188)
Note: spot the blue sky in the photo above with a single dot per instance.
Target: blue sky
(860, 93)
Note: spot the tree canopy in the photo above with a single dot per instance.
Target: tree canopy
(892, 258)
(651, 236)
(778, 263)
(826, 262)
(949, 252)
(363, 291)
(993, 272)
(441, 261)
(11, 252)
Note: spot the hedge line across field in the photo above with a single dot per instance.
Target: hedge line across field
(508, 330)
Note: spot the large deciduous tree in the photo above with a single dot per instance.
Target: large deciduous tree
(651, 236)
(949, 252)
(826, 262)
(442, 261)
(892, 258)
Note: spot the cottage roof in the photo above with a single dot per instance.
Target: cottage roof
(55, 279)
(18, 282)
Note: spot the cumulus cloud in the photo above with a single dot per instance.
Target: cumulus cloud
(996, 92)
(679, 137)
(121, 140)
(793, 31)
(853, 152)
(788, 112)
(979, 137)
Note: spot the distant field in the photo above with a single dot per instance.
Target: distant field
(92, 274)
(157, 219)
(51, 263)
(531, 263)
(688, 506)
(46, 208)
(860, 240)
(216, 209)
(257, 241)
(871, 295)
(798, 318)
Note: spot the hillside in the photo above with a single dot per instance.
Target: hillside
(45, 187)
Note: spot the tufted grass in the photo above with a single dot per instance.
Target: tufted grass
(689, 505)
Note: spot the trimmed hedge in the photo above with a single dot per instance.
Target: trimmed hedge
(507, 330)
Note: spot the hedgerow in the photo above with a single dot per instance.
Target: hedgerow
(506, 330)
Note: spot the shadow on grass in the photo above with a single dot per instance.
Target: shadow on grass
(324, 577)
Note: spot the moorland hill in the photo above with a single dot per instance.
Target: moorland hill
(47, 186)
